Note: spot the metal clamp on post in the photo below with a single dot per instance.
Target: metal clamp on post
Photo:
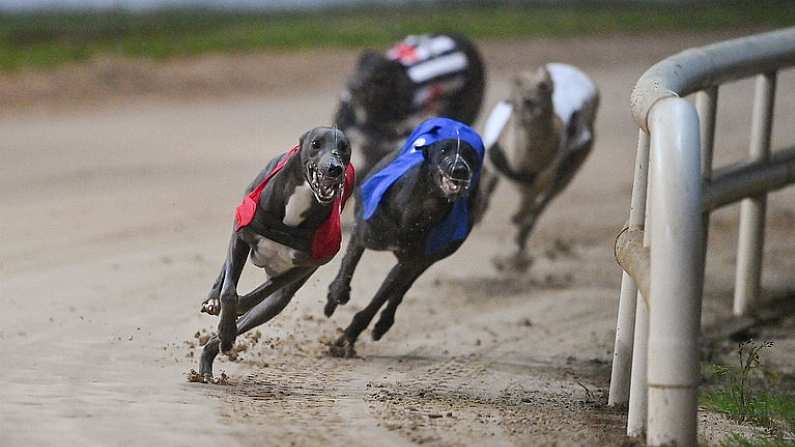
(634, 258)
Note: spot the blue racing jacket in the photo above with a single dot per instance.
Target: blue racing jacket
(455, 226)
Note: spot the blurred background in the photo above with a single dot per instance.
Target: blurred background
(41, 33)
(98, 39)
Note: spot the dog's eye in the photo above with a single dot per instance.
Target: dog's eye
(315, 144)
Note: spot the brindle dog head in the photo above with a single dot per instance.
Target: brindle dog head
(325, 154)
(452, 166)
(531, 96)
(379, 87)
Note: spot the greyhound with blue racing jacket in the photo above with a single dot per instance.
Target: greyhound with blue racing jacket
(419, 203)
(289, 225)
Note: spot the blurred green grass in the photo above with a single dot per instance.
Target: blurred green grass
(51, 39)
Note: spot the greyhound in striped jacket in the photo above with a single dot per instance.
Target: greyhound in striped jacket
(390, 93)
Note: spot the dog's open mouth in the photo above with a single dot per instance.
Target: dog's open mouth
(452, 186)
(324, 187)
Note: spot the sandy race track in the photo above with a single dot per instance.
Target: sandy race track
(114, 223)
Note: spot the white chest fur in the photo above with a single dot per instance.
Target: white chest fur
(274, 257)
(297, 204)
(277, 258)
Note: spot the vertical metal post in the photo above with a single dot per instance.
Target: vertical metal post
(752, 210)
(638, 396)
(638, 393)
(677, 273)
(707, 107)
(625, 324)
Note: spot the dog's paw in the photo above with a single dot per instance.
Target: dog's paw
(331, 306)
(342, 348)
(227, 333)
(212, 306)
(381, 327)
(206, 360)
(339, 294)
(515, 263)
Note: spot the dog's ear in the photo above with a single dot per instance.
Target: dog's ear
(519, 86)
(303, 137)
(544, 80)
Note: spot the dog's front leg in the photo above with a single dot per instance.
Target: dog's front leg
(524, 220)
(212, 305)
(527, 200)
(396, 283)
(403, 284)
(259, 314)
(339, 291)
(537, 203)
(520, 261)
(235, 260)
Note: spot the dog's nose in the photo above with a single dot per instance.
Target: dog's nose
(334, 170)
(460, 172)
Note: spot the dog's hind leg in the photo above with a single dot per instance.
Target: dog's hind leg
(387, 318)
(397, 283)
(259, 314)
(251, 299)
(339, 291)
(235, 260)
(274, 304)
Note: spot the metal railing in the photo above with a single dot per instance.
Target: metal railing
(662, 250)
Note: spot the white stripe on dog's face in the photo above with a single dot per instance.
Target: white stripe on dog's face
(297, 204)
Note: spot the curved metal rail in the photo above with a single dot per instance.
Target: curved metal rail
(656, 357)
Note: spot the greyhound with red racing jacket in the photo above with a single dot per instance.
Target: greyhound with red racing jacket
(288, 224)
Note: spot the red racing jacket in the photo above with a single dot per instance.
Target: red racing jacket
(324, 242)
